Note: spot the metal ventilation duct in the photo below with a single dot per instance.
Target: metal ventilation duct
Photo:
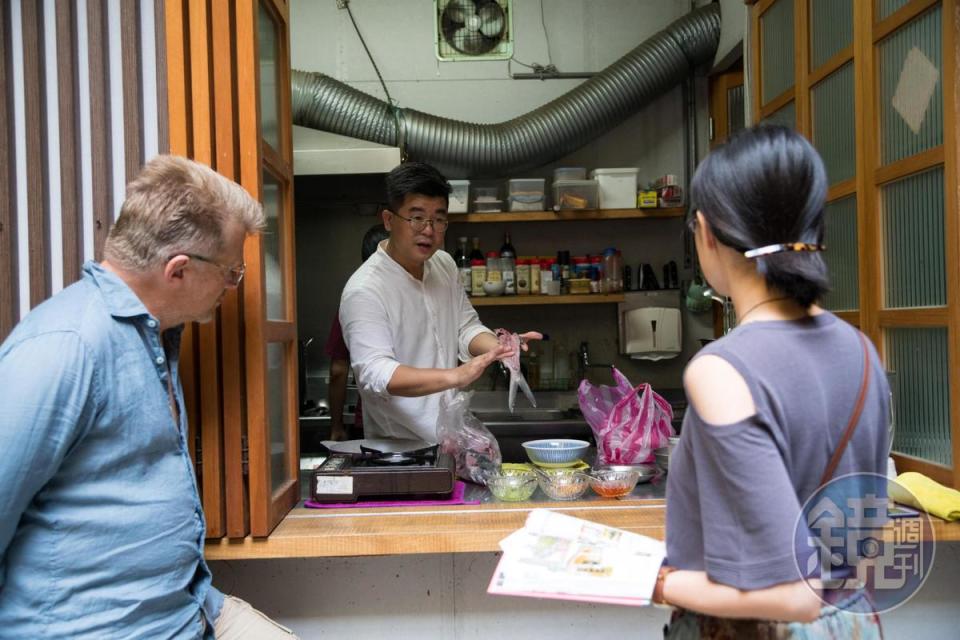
(536, 138)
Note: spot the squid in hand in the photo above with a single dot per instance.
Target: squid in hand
(513, 341)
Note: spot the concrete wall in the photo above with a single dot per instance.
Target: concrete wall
(444, 597)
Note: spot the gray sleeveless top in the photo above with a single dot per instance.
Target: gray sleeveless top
(734, 491)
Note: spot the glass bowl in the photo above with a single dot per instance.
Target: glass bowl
(563, 484)
(509, 485)
(613, 483)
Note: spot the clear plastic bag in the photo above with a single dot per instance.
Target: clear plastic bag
(463, 436)
(628, 422)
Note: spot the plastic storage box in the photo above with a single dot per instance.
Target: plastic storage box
(569, 173)
(526, 194)
(575, 194)
(459, 196)
(617, 188)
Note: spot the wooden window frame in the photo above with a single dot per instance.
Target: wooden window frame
(871, 177)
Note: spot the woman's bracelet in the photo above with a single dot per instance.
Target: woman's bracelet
(658, 598)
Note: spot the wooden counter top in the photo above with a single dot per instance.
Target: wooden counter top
(315, 533)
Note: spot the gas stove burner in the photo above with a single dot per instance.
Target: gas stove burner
(390, 459)
(427, 455)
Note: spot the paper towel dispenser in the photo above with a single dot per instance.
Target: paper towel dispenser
(650, 325)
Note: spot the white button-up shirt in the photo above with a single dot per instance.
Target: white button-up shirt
(390, 318)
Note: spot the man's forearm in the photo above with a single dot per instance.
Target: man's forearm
(413, 382)
(482, 343)
(792, 601)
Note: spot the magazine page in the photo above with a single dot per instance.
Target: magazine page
(559, 556)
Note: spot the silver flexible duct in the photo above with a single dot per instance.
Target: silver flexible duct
(533, 139)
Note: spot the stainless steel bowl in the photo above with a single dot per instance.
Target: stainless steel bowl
(646, 472)
(662, 456)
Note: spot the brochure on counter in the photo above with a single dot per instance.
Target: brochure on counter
(559, 556)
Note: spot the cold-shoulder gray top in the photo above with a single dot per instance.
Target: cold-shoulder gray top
(734, 491)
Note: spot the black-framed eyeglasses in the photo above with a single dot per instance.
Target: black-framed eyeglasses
(418, 223)
(232, 275)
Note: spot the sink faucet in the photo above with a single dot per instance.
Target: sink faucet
(583, 361)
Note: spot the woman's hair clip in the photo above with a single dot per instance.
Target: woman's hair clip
(780, 248)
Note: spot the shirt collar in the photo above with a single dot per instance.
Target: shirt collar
(397, 267)
(120, 299)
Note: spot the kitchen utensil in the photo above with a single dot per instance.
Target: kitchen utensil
(512, 486)
(645, 472)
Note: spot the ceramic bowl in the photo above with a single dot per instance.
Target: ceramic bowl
(555, 452)
(494, 288)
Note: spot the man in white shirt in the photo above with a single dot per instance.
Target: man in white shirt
(406, 319)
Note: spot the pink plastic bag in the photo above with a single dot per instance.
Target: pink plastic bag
(628, 422)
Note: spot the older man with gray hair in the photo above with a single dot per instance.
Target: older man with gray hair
(101, 526)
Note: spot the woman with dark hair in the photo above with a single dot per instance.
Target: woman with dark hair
(769, 405)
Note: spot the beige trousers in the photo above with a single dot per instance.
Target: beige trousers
(239, 621)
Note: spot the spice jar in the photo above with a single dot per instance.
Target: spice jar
(523, 277)
(478, 275)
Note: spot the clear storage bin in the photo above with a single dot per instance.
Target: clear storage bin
(617, 188)
(561, 174)
(526, 194)
(575, 194)
(459, 196)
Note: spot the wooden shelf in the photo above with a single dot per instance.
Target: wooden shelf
(587, 298)
(568, 215)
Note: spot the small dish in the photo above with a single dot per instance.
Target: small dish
(494, 288)
(512, 486)
(563, 484)
(645, 472)
(613, 483)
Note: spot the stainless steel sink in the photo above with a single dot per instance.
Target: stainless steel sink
(522, 415)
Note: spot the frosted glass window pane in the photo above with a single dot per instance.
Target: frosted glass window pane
(735, 114)
(776, 61)
(785, 115)
(273, 249)
(277, 385)
(834, 127)
(831, 29)
(269, 94)
(911, 88)
(886, 8)
(920, 382)
(913, 241)
(841, 255)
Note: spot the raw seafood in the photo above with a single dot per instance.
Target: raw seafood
(512, 363)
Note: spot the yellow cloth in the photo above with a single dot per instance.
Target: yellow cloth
(924, 493)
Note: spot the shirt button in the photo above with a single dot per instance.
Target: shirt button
(160, 360)
(152, 323)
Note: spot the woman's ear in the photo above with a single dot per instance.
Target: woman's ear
(703, 227)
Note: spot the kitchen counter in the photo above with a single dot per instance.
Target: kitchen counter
(315, 533)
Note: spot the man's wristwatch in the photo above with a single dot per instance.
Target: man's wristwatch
(657, 597)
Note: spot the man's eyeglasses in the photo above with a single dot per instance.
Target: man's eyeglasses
(419, 224)
(231, 275)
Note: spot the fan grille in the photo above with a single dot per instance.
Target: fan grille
(473, 28)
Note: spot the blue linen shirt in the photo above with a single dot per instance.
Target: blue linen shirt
(101, 526)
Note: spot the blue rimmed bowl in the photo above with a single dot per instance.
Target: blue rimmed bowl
(556, 452)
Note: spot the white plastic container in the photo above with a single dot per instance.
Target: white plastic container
(459, 196)
(526, 194)
(575, 194)
(617, 187)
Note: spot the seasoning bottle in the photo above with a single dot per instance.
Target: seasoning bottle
(478, 275)
(546, 276)
(534, 275)
(493, 267)
(523, 277)
(462, 259)
(508, 257)
(596, 274)
(476, 254)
